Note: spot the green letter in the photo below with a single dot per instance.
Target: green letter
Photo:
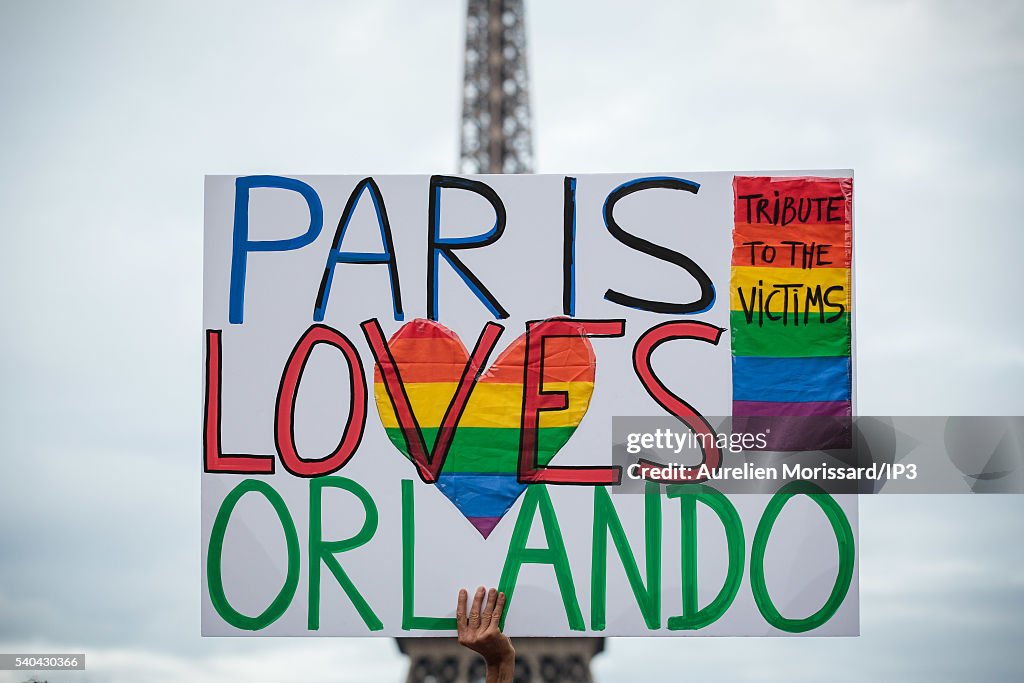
(688, 495)
(214, 579)
(844, 538)
(606, 521)
(325, 551)
(518, 554)
(409, 620)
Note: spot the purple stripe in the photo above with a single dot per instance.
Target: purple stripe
(772, 408)
(812, 426)
(485, 525)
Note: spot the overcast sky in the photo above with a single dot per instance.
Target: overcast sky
(111, 113)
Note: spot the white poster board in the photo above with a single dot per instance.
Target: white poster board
(314, 522)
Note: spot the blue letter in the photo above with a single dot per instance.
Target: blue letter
(445, 246)
(707, 288)
(242, 245)
(336, 255)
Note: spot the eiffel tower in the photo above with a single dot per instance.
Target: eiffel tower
(495, 138)
(495, 133)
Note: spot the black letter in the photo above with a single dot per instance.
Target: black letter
(707, 288)
(438, 246)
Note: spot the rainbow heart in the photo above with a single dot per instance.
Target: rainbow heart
(479, 473)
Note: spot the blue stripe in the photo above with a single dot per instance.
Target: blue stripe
(795, 380)
(480, 495)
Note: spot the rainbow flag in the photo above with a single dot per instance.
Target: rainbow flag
(479, 473)
(790, 310)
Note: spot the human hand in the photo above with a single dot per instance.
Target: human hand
(480, 627)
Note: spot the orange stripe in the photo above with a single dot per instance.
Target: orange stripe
(443, 360)
(836, 236)
(566, 359)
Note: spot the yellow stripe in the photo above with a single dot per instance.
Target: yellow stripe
(747, 277)
(490, 404)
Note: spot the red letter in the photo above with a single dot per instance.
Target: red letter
(645, 346)
(284, 424)
(213, 458)
(535, 399)
(429, 464)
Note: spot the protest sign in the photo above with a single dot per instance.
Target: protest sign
(409, 386)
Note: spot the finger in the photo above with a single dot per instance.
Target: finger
(499, 608)
(460, 610)
(492, 597)
(474, 611)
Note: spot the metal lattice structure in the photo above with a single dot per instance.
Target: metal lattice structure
(495, 134)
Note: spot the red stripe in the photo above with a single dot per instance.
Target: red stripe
(809, 197)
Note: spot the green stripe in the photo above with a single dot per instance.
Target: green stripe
(488, 449)
(774, 339)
